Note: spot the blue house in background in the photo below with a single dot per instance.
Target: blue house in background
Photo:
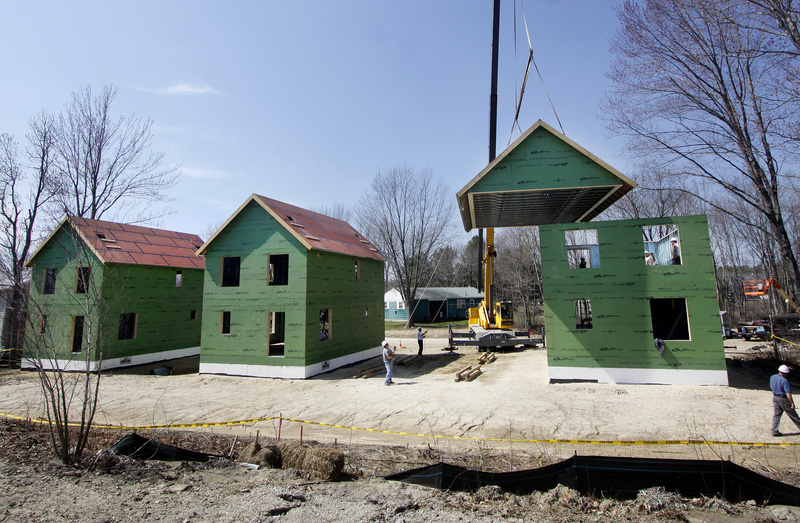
(432, 304)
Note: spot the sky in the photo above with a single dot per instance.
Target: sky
(304, 101)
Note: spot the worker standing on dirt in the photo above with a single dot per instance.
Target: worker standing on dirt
(420, 336)
(388, 361)
(782, 400)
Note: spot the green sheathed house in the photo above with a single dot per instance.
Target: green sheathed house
(289, 293)
(108, 294)
(618, 308)
(632, 314)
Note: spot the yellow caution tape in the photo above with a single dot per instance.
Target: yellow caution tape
(436, 436)
(145, 427)
(786, 341)
(570, 441)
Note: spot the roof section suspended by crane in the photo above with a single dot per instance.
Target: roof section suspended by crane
(542, 178)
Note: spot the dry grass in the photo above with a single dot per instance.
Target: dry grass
(324, 464)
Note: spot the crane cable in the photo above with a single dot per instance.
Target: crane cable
(531, 60)
(433, 273)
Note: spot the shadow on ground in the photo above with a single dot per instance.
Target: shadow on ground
(753, 373)
(164, 368)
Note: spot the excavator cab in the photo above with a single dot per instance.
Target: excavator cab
(504, 314)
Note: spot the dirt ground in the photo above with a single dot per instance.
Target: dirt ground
(487, 423)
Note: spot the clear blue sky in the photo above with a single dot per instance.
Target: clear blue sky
(303, 101)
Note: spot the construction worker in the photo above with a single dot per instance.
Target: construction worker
(676, 251)
(782, 400)
(388, 362)
(420, 336)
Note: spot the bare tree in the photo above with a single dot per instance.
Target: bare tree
(442, 271)
(104, 164)
(469, 273)
(653, 198)
(518, 272)
(68, 351)
(405, 212)
(699, 95)
(781, 18)
(25, 190)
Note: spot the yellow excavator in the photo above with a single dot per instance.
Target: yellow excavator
(491, 315)
(491, 324)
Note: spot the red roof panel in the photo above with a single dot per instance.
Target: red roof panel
(334, 235)
(133, 244)
(123, 236)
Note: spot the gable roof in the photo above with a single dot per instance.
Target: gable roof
(315, 231)
(125, 244)
(542, 178)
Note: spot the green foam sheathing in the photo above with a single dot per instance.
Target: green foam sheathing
(317, 280)
(163, 310)
(620, 291)
(543, 161)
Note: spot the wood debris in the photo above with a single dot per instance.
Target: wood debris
(487, 357)
(468, 374)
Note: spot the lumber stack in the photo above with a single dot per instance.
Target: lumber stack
(487, 357)
(468, 374)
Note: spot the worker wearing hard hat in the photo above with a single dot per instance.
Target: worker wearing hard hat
(782, 400)
(675, 250)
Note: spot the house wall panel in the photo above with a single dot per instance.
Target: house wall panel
(65, 253)
(332, 285)
(620, 291)
(565, 167)
(164, 321)
(253, 235)
(163, 310)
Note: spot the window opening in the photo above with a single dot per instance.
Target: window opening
(49, 281)
(662, 245)
(101, 235)
(77, 333)
(401, 304)
(277, 333)
(226, 322)
(127, 326)
(366, 312)
(583, 314)
(278, 269)
(583, 249)
(461, 304)
(82, 279)
(193, 315)
(670, 318)
(325, 324)
(179, 279)
(357, 267)
(230, 271)
(386, 305)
